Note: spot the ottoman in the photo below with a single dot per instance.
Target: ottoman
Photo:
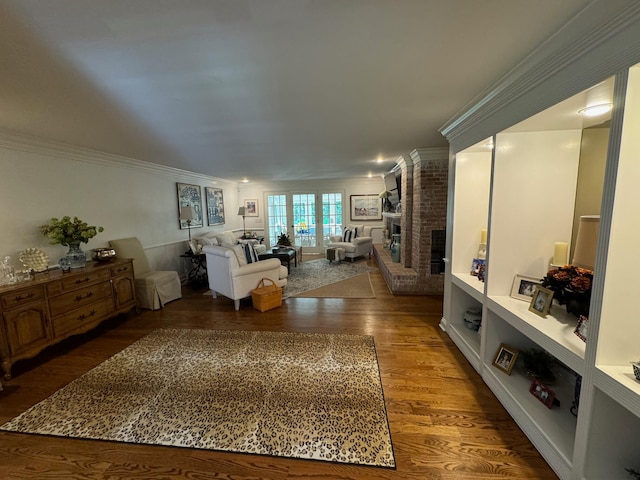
(335, 254)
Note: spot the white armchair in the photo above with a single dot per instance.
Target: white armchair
(360, 243)
(232, 280)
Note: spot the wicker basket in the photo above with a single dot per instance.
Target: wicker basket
(265, 297)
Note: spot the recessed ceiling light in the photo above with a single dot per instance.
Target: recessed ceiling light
(380, 159)
(595, 110)
(489, 145)
(245, 180)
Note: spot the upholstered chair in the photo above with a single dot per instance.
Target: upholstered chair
(231, 275)
(154, 288)
(356, 241)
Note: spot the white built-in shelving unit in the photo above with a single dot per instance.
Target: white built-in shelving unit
(523, 190)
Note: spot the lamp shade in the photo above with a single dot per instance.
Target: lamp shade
(241, 211)
(187, 213)
(584, 254)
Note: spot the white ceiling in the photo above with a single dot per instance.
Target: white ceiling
(263, 89)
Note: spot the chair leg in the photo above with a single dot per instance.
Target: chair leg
(236, 304)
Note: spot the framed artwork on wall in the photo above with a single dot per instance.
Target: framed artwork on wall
(366, 207)
(250, 207)
(190, 196)
(215, 206)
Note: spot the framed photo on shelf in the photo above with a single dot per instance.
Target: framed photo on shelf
(366, 207)
(215, 206)
(543, 393)
(524, 287)
(505, 358)
(477, 265)
(541, 301)
(582, 327)
(190, 196)
(250, 207)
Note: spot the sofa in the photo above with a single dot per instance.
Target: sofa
(356, 241)
(226, 239)
(233, 271)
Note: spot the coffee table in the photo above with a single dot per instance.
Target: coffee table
(285, 255)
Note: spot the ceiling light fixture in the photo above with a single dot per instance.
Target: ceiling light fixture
(245, 180)
(595, 110)
(380, 159)
(489, 145)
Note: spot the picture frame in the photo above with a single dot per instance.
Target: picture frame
(582, 328)
(190, 195)
(365, 207)
(477, 265)
(505, 358)
(541, 301)
(215, 205)
(543, 393)
(251, 207)
(524, 287)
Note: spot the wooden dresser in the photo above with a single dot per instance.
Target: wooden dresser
(55, 305)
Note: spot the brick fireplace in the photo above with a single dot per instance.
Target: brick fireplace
(422, 221)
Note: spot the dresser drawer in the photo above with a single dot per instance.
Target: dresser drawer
(121, 269)
(77, 281)
(22, 296)
(86, 315)
(79, 298)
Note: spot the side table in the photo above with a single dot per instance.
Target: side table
(198, 273)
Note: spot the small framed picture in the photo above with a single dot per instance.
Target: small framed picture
(505, 358)
(582, 327)
(541, 301)
(524, 287)
(543, 393)
(476, 266)
(251, 207)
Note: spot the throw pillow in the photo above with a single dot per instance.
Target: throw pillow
(347, 235)
(357, 230)
(250, 253)
(238, 249)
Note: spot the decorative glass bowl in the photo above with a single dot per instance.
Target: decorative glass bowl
(636, 370)
(103, 254)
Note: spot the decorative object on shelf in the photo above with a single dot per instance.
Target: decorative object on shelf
(475, 266)
(482, 246)
(395, 248)
(365, 207)
(582, 327)
(68, 232)
(538, 364)
(541, 301)
(251, 207)
(399, 207)
(64, 264)
(543, 393)
(560, 254)
(473, 318)
(103, 254)
(34, 260)
(8, 273)
(505, 358)
(215, 206)
(636, 370)
(386, 203)
(524, 287)
(284, 240)
(189, 196)
(482, 271)
(571, 286)
(576, 396)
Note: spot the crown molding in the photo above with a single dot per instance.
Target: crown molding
(49, 148)
(565, 64)
(430, 154)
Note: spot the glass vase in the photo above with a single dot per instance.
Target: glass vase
(395, 248)
(76, 257)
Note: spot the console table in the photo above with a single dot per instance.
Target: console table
(54, 305)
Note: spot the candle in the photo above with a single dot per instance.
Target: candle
(483, 236)
(560, 253)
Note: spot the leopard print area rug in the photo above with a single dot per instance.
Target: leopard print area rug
(311, 396)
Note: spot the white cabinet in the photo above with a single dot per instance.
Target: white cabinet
(526, 192)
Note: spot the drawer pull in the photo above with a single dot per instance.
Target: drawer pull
(80, 297)
(83, 316)
(122, 269)
(85, 279)
(20, 297)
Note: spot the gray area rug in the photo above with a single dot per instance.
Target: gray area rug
(318, 273)
(312, 396)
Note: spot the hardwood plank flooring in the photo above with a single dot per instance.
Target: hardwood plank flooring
(445, 422)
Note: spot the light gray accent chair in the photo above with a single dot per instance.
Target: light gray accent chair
(154, 288)
(358, 246)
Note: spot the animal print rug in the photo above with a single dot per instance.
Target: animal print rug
(312, 396)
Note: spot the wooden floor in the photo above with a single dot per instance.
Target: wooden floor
(445, 423)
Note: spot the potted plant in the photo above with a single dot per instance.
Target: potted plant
(284, 240)
(71, 233)
(571, 286)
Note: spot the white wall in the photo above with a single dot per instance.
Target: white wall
(40, 180)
